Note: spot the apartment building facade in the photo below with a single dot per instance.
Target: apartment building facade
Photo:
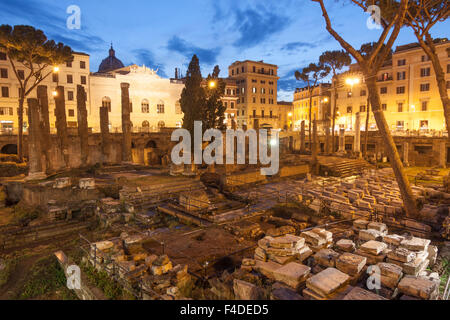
(257, 85)
(69, 75)
(320, 107)
(408, 91)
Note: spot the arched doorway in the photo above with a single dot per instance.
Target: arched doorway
(151, 153)
(9, 149)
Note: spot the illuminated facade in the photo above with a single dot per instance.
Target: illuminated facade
(408, 91)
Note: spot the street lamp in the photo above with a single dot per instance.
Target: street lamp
(55, 69)
(352, 81)
(212, 84)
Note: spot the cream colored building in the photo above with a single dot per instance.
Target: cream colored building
(408, 91)
(320, 105)
(155, 100)
(257, 94)
(70, 75)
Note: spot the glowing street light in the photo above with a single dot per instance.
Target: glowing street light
(212, 84)
(55, 69)
(325, 100)
(290, 114)
(352, 81)
(54, 93)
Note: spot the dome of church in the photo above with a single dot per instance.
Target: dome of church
(111, 62)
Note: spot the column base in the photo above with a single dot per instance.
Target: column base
(36, 176)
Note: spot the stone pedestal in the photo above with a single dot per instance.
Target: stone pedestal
(126, 124)
(35, 171)
(61, 123)
(104, 128)
(357, 141)
(83, 133)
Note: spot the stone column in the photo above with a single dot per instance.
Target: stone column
(314, 148)
(327, 137)
(357, 140)
(83, 133)
(104, 129)
(126, 124)
(406, 154)
(46, 139)
(61, 124)
(341, 141)
(442, 154)
(35, 171)
(302, 137)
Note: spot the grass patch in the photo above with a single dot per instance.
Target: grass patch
(445, 275)
(7, 268)
(103, 281)
(23, 216)
(46, 281)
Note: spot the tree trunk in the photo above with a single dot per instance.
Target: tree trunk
(366, 137)
(391, 149)
(20, 130)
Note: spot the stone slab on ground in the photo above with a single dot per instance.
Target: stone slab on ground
(415, 244)
(328, 281)
(245, 291)
(360, 294)
(371, 259)
(346, 245)
(373, 247)
(313, 238)
(370, 234)
(360, 224)
(393, 239)
(390, 274)
(267, 268)
(285, 294)
(402, 254)
(293, 274)
(326, 257)
(377, 226)
(418, 287)
(351, 264)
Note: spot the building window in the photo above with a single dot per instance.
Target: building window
(254, 89)
(106, 102)
(71, 113)
(383, 90)
(5, 92)
(232, 105)
(425, 87)
(400, 90)
(401, 75)
(349, 109)
(425, 58)
(232, 72)
(262, 113)
(55, 77)
(70, 95)
(423, 124)
(160, 107)
(362, 109)
(69, 64)
(448, 84)
(178, 108)
(263, 90)
(4, 73)
(145, 106)
(21, 74)
(384, 107)
(2, 56)
(400, 107)
(363, 93)
(401, 62)
(254, 99)
(82, 65)
(424, 105)
(5, 111)
(145, 124)
(271, 113)
(400, 125)
(83, 79)
(69, 78)
(425, 72)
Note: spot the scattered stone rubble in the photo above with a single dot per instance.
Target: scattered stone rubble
(311, 266)
(126, 258)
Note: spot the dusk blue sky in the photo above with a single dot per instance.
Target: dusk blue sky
(165, 34)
